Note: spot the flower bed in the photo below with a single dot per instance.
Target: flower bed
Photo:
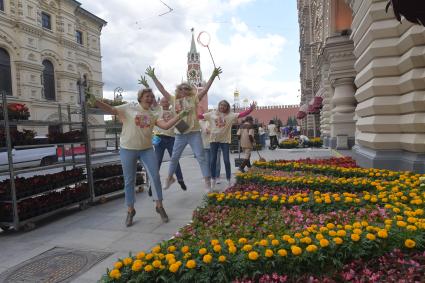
(315, 228)
(16, 111)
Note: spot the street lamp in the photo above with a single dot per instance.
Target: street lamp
(117, 98)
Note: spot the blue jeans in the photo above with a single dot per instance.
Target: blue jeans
(129, 159)
(263, 141)
(167, 143)
(195, 141)
(226, 157)
(218, 164)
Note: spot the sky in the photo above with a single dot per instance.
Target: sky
(254, 42)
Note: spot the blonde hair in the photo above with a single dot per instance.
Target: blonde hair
(187, 85)
(142, 91)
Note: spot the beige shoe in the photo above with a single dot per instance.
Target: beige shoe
(169, 182)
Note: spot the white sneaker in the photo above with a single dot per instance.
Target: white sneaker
(213, 184)
(169, 182)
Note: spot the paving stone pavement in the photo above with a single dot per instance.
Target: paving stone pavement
(101, 227)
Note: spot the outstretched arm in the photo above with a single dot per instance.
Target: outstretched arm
(216, 72)
(248, 111)
(92, 101)
(166, 125)
(151, 73)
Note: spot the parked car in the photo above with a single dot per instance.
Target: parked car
(41, 155)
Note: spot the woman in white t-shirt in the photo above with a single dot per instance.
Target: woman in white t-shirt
(221, 122)
(188, 131)
(136, 143)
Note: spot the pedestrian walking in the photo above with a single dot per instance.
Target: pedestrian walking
(246, 139)
(271, 127)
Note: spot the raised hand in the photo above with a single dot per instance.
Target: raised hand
(217, 72)
(150, 71)
(143, 81)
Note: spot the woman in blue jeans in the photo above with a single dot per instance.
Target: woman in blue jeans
(187, 131)
(136, 144)
(167, 138)
(221, 121)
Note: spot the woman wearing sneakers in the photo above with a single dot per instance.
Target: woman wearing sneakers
(187, 131)
(136, 143)
(221, 121)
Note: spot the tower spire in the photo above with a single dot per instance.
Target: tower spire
(192, 45)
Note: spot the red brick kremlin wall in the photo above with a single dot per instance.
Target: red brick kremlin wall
(266, 113)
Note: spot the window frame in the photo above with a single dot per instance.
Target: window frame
(45, 16)
(79, 37)
(48, 79)
(6, 71)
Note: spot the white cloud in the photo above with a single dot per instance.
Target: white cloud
(136, 37)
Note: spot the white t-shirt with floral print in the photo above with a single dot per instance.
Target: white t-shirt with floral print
(221, 125)
(137, 126)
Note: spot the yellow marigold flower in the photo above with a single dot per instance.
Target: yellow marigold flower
(202, 251)
(409, 243)
(174, 267)
(383, 234)
(222, 258)
(191, 264)
(232, 249)
(187, 255)
(323, 229)
(370, 236)
(296, 250)
(411, 228)
(355, 237)
(268, 253)
(319, 236)
(253, 255)
(271, 236)
(156, 249)
(156, 263)
(348, 227)
(282, 252)
(291, 241)
(171, 261)
(306, 240)
(243, 241)
(275, 242)
(171, 249)
(217, 248)
(169, 256)
(332, 233)
(341, 233)
(298, 235)
(286, 237)
(137, 265)
(185, 249)
(311, 248)
(324, 243)
(115, 274)
(337, 240)
(264, 243)
(118, 265)
(330, 226)
(247, 248)
(357, 231)
(214, 242)
(149, 256)
(127, 261)
(148, 268)
(207, 258)
(140, 255)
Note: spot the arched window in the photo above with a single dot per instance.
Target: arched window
(5, 73)
(49, 80)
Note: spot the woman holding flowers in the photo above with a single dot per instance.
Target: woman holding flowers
(221, 121)
(187, 131)
(136, 143)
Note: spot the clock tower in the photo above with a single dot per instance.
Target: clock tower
(194, 73)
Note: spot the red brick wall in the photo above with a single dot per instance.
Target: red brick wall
(266, 113)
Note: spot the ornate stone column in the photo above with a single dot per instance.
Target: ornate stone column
(339, 53)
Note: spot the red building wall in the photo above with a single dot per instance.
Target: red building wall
(266, 113)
